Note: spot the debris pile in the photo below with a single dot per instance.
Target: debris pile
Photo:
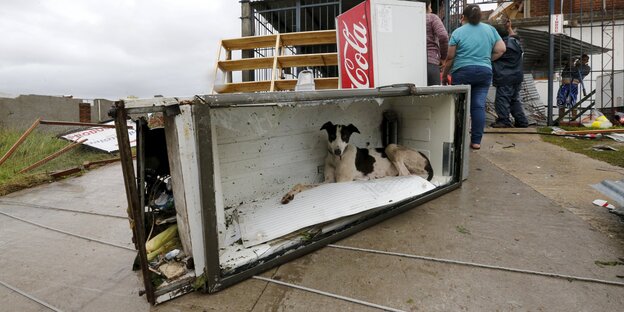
(166, 258)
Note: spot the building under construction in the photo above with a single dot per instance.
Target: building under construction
(591, 27)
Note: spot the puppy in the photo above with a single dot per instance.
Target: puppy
(346, 162)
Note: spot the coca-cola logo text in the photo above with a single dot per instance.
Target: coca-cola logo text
(358, 41)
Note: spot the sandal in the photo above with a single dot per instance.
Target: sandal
(475, 146)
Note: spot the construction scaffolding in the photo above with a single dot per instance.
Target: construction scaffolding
(598, 88)
(608, 32)
(285, 16)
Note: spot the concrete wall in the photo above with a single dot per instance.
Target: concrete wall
(20, 112)
(99, 110)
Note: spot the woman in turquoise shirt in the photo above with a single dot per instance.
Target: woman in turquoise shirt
(472, 48)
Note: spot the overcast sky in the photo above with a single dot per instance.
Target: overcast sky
(114, 48)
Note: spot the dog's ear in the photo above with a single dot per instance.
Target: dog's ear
(351, 128)
(327, 126)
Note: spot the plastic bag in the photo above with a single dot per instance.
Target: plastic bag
(596, 120)
(602, 122)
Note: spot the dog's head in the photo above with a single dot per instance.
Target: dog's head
(338, 136)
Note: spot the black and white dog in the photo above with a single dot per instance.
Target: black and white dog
(346, 162)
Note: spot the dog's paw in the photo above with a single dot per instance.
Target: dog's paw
(287, 198)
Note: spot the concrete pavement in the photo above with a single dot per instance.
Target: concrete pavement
(526, 205)
(67, 272)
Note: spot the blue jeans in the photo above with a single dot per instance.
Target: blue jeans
(508, 101)
(479, 78)
(567, 94)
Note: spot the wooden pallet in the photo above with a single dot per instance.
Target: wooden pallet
(276, 63)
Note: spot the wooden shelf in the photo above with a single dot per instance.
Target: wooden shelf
(320, 59)
(280, 85)
(244, 64)
(309, 38)
(288, 39)
(248, 43)
(277, 62)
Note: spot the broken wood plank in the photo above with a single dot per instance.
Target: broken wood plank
(66, 172)
(53, 155)
(618, 130)
(86, 165)
(71, 123)
(90, 164)
(20, 141)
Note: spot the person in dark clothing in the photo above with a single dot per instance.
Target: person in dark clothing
(581, 69)
(507, 78)
(572, 75)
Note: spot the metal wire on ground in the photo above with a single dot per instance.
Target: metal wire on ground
(320, 292)
(66, 233)
(8, 202)
(486, 266)
(43, 303)
(527, 132)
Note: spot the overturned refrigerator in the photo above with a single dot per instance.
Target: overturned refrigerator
(216, 167)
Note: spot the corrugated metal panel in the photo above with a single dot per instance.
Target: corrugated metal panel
(533, 105)
(535, 43)
(615, 190)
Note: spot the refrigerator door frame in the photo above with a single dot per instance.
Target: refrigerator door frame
(209, 278)
(214, 280)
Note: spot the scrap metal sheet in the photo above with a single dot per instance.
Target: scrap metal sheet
(262, 221)
(613, 189)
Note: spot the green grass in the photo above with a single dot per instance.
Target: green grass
(37, 146)
(585, 146)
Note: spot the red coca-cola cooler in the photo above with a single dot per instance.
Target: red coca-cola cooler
(382, 42)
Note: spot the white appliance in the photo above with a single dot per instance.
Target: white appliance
(382, 42)
(603, 90)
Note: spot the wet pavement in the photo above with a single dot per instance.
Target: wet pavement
(527, 205)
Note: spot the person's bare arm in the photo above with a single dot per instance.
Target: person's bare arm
(450, 56)
(509, 28)
(498, 50)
